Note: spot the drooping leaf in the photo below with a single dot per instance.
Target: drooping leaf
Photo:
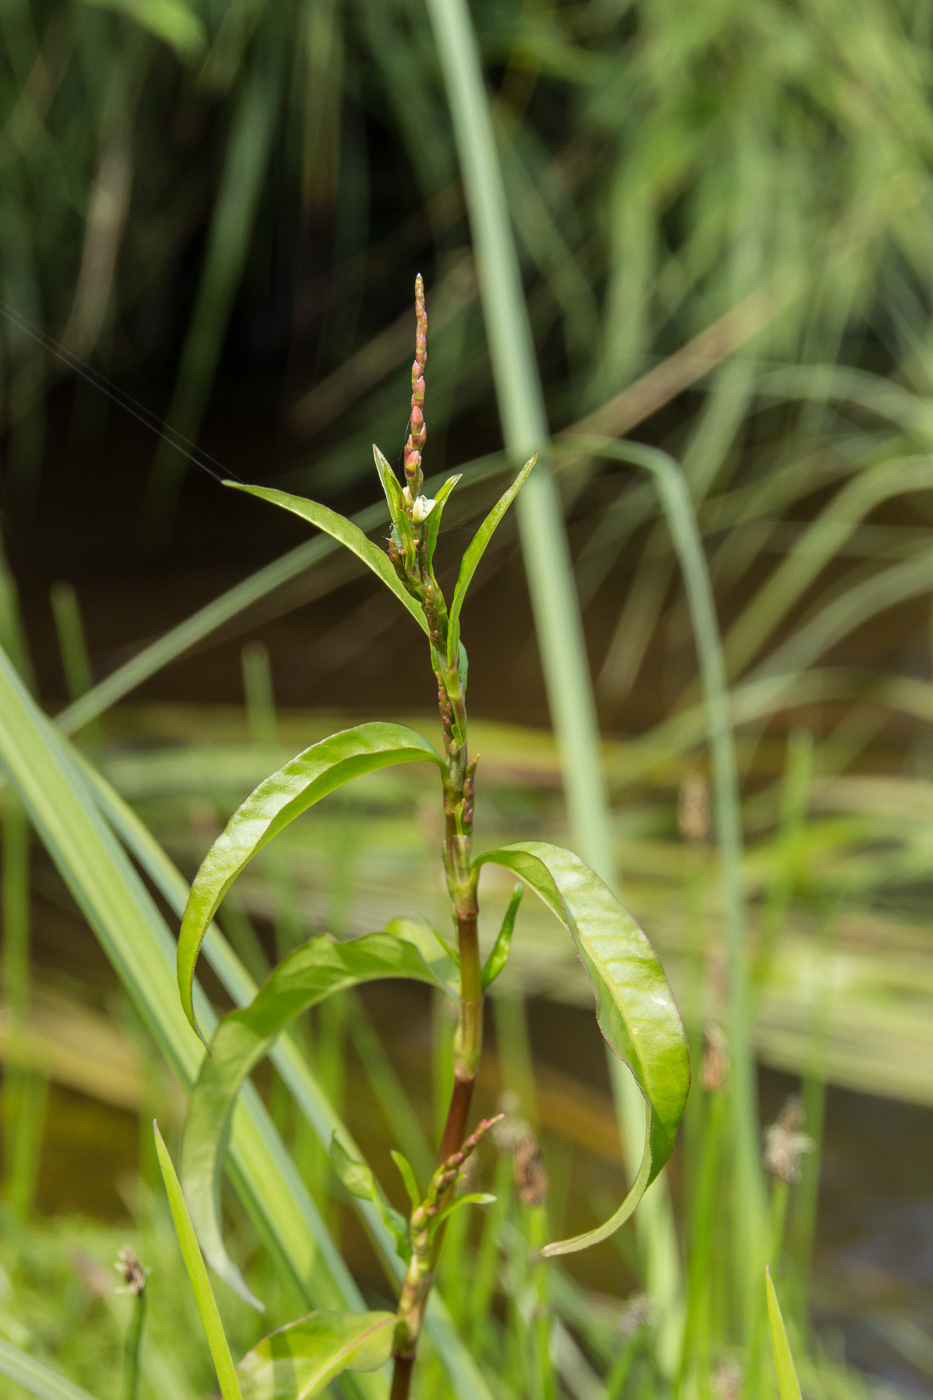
(434, 519)
(299, 1361)
(390, 484)
(474, 553)
(634, 1005)
(32, 1376)
(439, 956)
(499, 953)
(788, 1385)
(303, 979)
(347, 533)
(197, 1274)
(359, 1180)
(277, 801)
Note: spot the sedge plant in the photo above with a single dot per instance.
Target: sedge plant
(634, 1006)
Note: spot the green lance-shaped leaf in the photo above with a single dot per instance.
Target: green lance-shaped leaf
(474, 553)
(299, 1361)
(634, 1005)
(788, 1385)
(347, 534)
(499, 954)
(390, 484)
(360, 1181)
(278, 800)
(432, 528)
(197, 1273)
(307, 976)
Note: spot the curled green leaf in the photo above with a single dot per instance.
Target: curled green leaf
(299, 1361)
(278, 800)
(303, 979)
(348, 534)
(474, 553)
(634, 1006)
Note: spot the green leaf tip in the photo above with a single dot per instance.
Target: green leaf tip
(197, 1275)
(788, 1384)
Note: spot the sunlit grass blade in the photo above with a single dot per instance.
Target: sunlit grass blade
(34, 1377)
(133, 934)
(197, 1274)
(788, 1385)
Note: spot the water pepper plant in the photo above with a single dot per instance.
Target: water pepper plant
(634, 1006)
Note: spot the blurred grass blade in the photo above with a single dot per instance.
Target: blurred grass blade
(134, 936)
(36, 1378)
(278, 800)
(634, 1006)
(245, 160)
(303, 979)
(788, 1385)
(299, 1361)
(348, 534)
(474, 553)
(525, 428)
(197, 1273)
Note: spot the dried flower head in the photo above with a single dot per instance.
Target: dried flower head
(786, 1142)
(131, 1271)
(693, 809)
(529, 1171)
(714, 1070)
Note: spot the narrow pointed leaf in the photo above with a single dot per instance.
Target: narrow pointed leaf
(473, 1198)
(408, 1176)
(197, 1273)
(434, 519)
(277, 801)
(360, 1181)
(36, 1378)
(474, 553)
(299, 1361)
(348, 534)
(788, 1385)
(634, 1005)
(303, 979)
(390, 484)
(499, 953)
